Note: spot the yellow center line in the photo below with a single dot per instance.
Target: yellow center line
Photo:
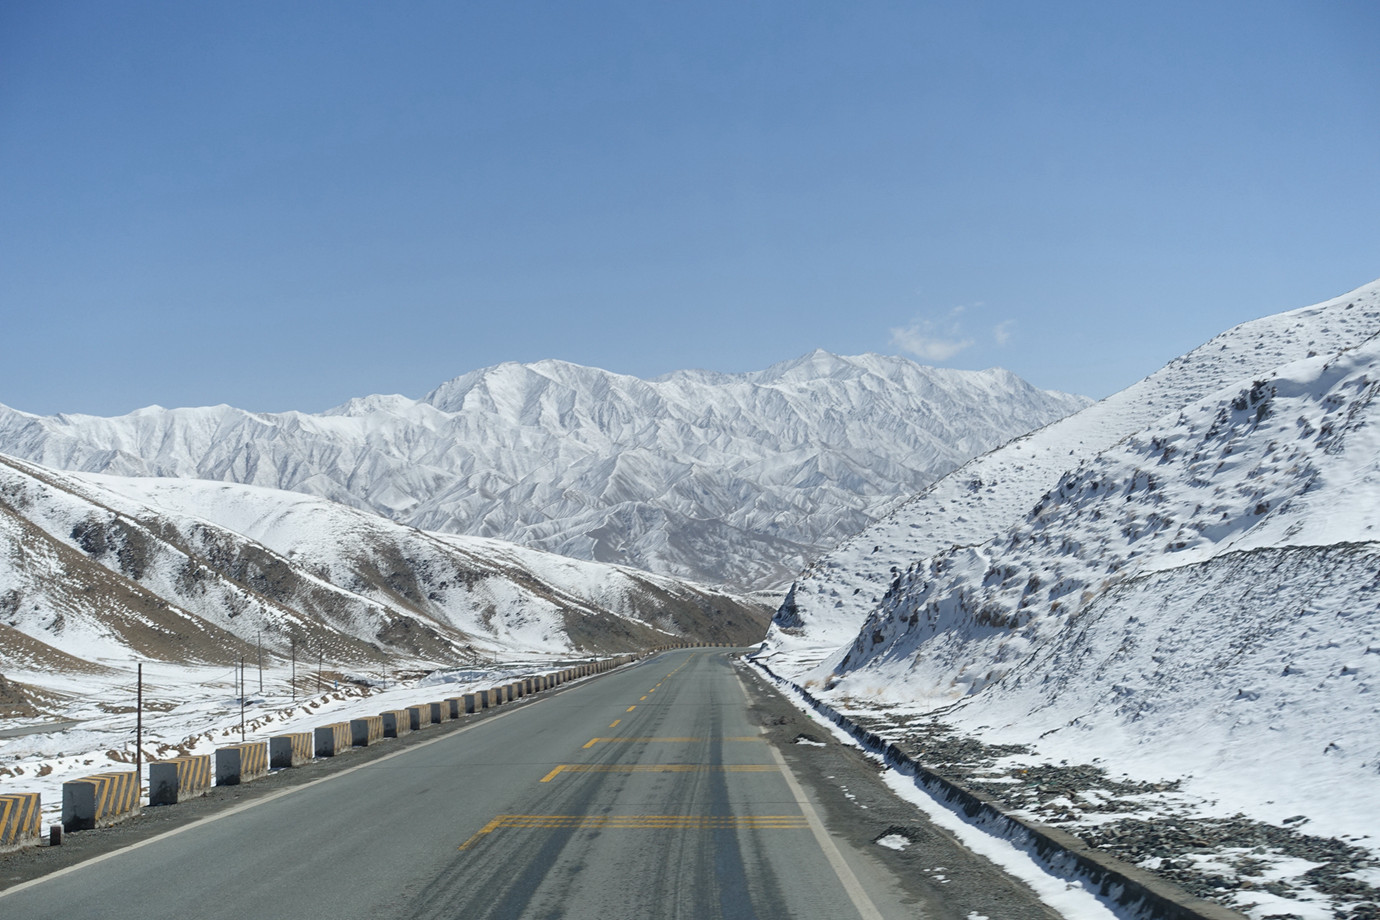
(658, 768)
(593, 741)
(641, 698)
(489, 828)
(639, 822)
(614, 723)
(631, 708)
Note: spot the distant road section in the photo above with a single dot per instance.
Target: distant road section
(45, 728)
(649, 792)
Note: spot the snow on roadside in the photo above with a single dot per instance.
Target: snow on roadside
(1071, 897)
(205, 716)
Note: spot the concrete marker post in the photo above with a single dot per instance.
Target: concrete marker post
(290, 750)
(20, 820)
(396, 723)
(99, 800)
(241, 763)
(179, 779)
(365, 731)
(332, 739)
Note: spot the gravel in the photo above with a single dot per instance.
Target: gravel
(1218, 859)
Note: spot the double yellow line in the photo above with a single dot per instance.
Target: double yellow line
(658, 768)
(624, 740)
(639, 822)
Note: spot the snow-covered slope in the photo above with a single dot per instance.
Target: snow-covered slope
(97, 569)
(993, 493)
(730, 479)
(1269, 474)
(1189, 599)
(504, 597)
(334, 613)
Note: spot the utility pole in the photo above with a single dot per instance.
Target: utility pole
(261, 662)
(241, 700)
(320, 664)
(294, 667)
(139, 726)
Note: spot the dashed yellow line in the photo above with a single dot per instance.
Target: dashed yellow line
(639, 822)
(641, 698)
(631, 708)
(658, 768)
(614, 723)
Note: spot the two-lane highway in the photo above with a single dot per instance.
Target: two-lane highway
(648, 792)
(674, 806)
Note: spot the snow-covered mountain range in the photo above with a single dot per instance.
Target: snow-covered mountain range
(1178, 582)
(735, 479)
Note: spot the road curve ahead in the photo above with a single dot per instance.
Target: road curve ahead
(648, 792)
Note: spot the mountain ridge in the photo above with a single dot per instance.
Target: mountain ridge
(1159, 612)
(734, 479)
(991, 492)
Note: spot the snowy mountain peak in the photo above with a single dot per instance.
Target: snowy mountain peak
(725, 478)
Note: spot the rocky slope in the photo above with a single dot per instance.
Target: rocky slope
(104, 569)
(993, 493)
(1177, 587)
(728, 479)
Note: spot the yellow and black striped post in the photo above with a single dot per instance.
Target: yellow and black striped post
(290, 750)
(179, 779)
(99, 799)
(241, 763)
(366, 731)
(396, 722)
(332, 739)
(19, 820)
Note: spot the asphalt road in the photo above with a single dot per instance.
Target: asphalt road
(680, 787)
(38, 729)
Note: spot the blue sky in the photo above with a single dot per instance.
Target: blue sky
(283, 205)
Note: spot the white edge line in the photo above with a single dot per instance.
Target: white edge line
(855, 890)
(1067, 893)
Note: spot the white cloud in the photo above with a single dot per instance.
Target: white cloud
(1002, 331)
(919, 340)
(933, 341)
